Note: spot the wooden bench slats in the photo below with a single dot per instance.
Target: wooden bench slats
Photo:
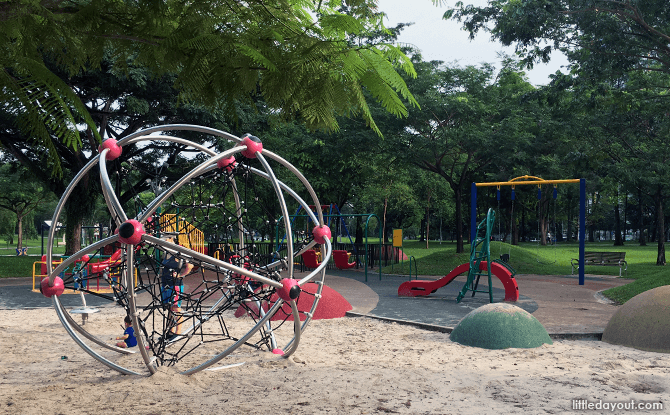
(603, 259)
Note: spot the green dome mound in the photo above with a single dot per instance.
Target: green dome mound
(500, 326)
(643, 322)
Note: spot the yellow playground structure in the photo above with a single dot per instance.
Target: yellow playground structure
(189, 236)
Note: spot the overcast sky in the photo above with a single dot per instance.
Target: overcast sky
(444, 40)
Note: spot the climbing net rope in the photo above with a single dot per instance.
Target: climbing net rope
(193, 303)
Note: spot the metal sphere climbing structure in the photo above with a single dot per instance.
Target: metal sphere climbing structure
(192, 303)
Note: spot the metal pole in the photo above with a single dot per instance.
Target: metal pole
(582, 227)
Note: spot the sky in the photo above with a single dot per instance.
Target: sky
(444, 40)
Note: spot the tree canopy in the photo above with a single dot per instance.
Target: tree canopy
(299, 55)
(598, 36)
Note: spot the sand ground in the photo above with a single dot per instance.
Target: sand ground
(342, 366)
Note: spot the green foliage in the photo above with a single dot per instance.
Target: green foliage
(297, 54)
(602, 38)
(21, 194)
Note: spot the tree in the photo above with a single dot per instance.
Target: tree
(119, 102)
(21, 194)
(600, 37)
(469, 119)
(298, 55)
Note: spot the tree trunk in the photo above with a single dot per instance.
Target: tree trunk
(386, 202)
(570, 217)
(459, 220)
(522, 224)
(79, 206)
(428, 220)
(660, 227)
(422, 229)
(427, 226)
(617, 222)
(625, 215)
(359, 231)
(643, 240)
(19, 218)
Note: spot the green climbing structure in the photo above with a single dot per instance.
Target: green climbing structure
(480, 250)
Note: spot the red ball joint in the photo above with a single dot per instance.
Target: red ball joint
(130, 232)
(290, 289)
(227, 163)
(114, 149)
(51, 290)
(253, 144)
(321, 233)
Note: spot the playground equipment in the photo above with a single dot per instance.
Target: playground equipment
(340, 216)
(480, 264)
(418, 288)
(533, 180)
(643, 322)
(310, 259)
(500, 326)
(187, 235)
(341, 259)
(195, 327)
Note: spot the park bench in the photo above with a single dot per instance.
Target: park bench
(616, 259)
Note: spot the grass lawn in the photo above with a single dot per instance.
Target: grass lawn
(12, 266)
(530, 258)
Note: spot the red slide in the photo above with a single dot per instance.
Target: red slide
(422, 287)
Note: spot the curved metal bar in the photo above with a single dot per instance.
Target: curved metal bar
(88, 335)
(93, 247)
(296, 329)
(59, 208)
(132, 306)
(172, 139)
(186, 127)
(238, 207)
(113, 203)
(322, 266)
(282, 207)
(204, 167)
(287, 189)
(238, 343)
(83, 345)
(302, 178)
(322, 270)
(108, 202)
(176, 249)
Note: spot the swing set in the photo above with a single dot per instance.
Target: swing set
(534, 180)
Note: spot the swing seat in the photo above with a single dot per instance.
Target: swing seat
(309, 259)
(341, 259)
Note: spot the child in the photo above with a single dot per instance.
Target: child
(129, 339)
(172, 285)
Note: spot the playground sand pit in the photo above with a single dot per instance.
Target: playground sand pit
(343, 366)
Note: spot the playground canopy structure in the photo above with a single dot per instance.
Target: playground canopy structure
(534, 180)
(224, 303)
